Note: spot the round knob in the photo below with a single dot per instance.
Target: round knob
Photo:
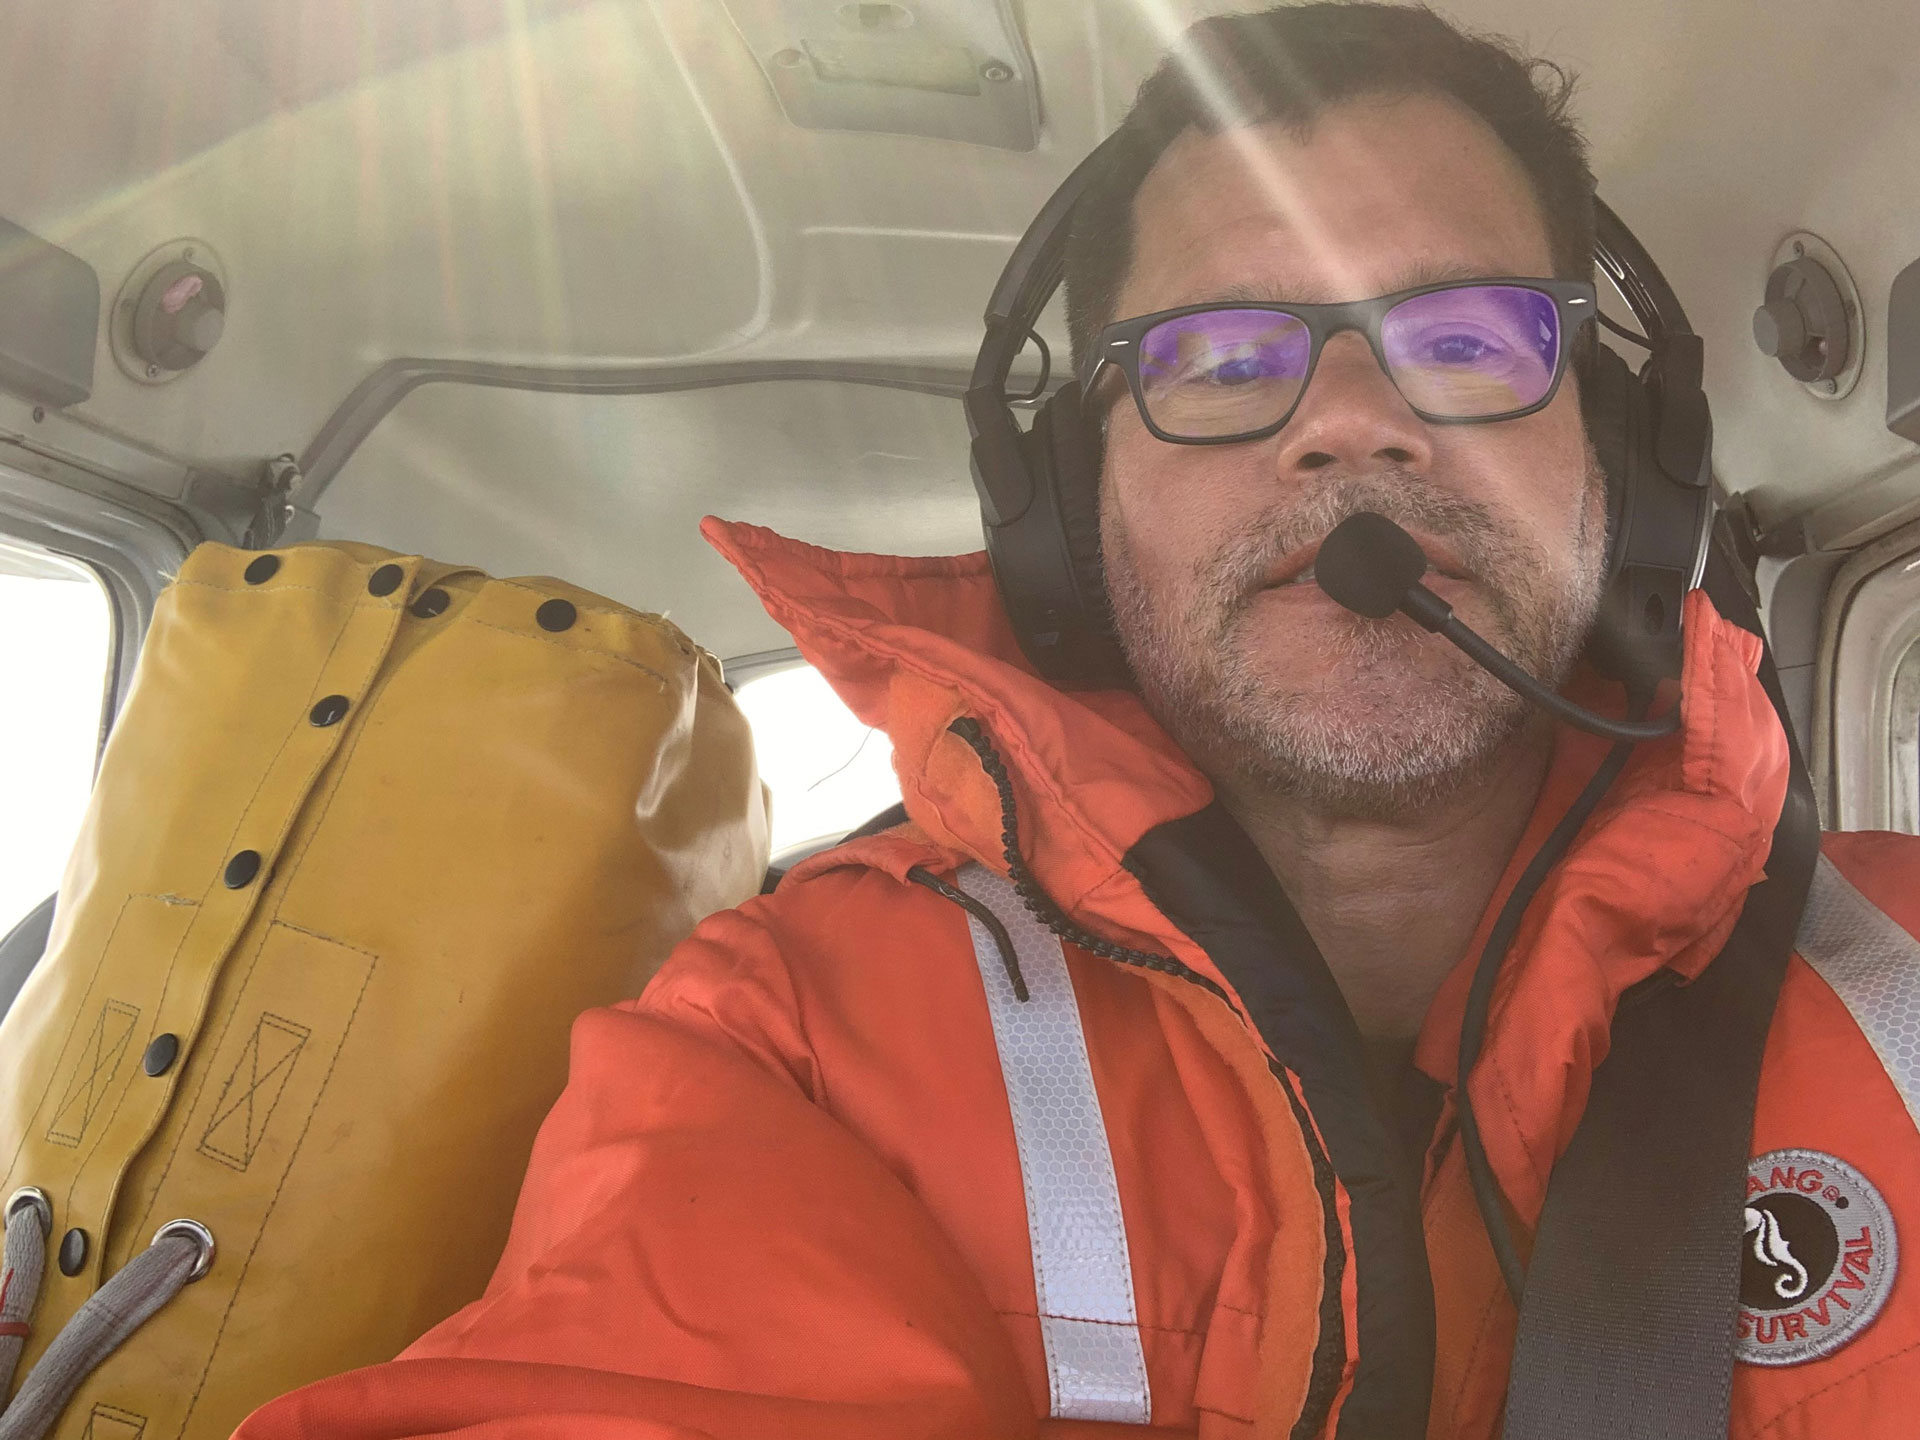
(200, 326)
(180, 315)
(1803, 321)
(1779, 328)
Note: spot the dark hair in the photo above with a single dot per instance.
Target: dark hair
(1290, 63)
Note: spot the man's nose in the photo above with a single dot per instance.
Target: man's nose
(1352, 415)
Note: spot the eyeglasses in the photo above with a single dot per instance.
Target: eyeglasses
(1461, 352)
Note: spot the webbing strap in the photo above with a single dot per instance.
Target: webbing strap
(1627, 1324)
(1082, 1271)
(1873, 965)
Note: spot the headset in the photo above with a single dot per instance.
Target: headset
(1039, 487)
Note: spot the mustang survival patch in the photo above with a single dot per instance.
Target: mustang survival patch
(1819, 1257)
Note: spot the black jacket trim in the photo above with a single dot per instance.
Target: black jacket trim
(1205, 875)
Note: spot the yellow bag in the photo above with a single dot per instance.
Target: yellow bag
(369, 833)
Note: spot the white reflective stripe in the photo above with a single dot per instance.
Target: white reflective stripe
(1873, 965)
(1082, 1272)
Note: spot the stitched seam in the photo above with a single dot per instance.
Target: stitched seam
(53, 1078)
(226, 1028)
(360, 725)
(293, 1157)
(75, 1085)
(1018, 1314)
(178, 584)
(1481, 1332)
(80, 1168)
(255, 1134)
(585, 650)
(346, 623)
(1326, 1370)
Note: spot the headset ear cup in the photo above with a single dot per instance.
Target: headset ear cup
(1047, 561)
(1654, 530)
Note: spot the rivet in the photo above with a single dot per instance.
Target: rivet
(330, 711)
(263, 569)
(160, 1055)
(997, 71)
(385, 580)
(73, 1251)
(431, 603)
(242, 869)
(556, 615)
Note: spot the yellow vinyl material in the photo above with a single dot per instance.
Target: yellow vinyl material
(514, 819)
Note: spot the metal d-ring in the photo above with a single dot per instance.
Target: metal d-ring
(36, 1197)
(201, 1237)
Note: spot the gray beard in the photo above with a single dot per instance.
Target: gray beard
(1400, 721)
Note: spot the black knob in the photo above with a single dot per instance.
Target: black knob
(330, 711)
(556, 615)
(73, 1251)
(263, 569)
(385, 580)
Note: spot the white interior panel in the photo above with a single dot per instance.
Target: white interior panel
(833, 464)
(611, 182)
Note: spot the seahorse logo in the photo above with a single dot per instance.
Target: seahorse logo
(1770, 1248)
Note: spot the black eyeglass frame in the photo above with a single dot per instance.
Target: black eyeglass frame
(1575, 304)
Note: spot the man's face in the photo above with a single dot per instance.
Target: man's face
(1256, 671)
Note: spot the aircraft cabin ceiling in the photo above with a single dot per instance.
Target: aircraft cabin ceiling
(615, 183)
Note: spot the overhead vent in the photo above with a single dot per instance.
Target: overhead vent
(945, 69)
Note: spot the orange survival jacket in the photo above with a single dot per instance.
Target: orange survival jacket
(783, 1194)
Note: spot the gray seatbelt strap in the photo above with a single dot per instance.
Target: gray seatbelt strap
(1627, 1326)
(1082, 1271)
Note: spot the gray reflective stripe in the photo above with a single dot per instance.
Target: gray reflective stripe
(1873, 965)
(1082, 1272)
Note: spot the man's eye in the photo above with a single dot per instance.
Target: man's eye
(1461, 348)
(1240, 369)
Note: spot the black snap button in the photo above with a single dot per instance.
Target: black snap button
(241, 869)
(263, 569)
(431, 603)
(385, 580)
(161, 1054)
(73, 1251)
(556, 615)
(330, 711)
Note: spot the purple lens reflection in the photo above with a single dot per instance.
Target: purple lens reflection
(1223, 372)
(1473, 350)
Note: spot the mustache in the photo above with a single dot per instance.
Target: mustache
(1400, 494)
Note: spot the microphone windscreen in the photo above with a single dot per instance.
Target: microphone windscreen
(1367, 563)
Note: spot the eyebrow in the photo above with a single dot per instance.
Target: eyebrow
(1426, 272)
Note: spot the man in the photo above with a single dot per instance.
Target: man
(870, 1159)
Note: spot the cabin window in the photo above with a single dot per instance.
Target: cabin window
(828, 771)
(56, 649)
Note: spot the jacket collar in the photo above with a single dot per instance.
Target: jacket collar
(1655, 879)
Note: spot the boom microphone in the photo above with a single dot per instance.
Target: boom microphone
(1373, 567)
